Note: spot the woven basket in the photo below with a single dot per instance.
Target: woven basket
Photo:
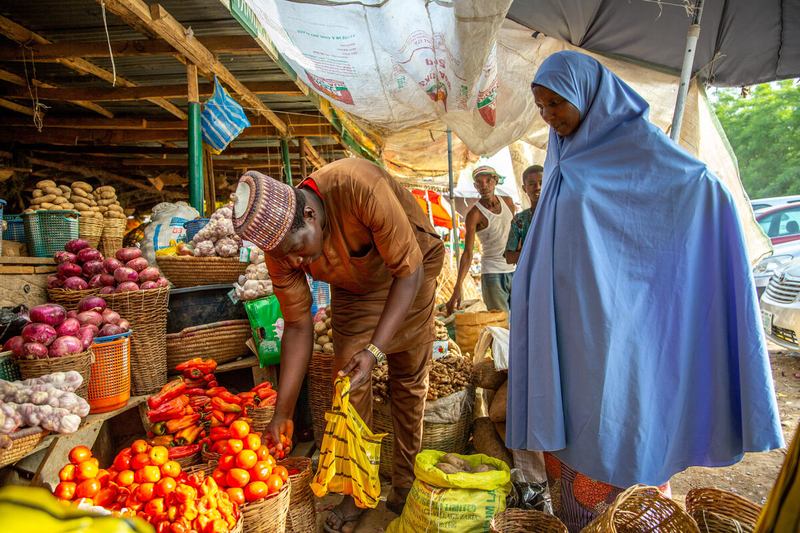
(91, 229)
(81, 363)
(222, 341)
(208, 458)
(260, 417)
(239, 527)
(69, 298)
(720, 511)
(113, 234)
(302, 511)
(189, 460)
(22, 442)
(526, 521)
(187, 271)
(268, 515)
(642, 508)
(450, 438)
(320, 392)
(146, 312)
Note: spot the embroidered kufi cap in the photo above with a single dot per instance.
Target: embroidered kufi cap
(263, 210)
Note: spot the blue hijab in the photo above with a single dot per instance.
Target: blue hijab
(636, 343)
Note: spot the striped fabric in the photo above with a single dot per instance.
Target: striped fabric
(223, 119)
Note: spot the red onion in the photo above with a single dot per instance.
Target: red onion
(90, 317)
(107, 280)
(63, 346)
(147, 285)
(110, 329)
(34, 350)
(92, 303)
(138, 264)
(51, 314)
(86, 336)
(92, 268)
(162, 282)
(76, 245)
(89, 254)
(111, 264)
(107, 290)
(126, 254)
(68, 270)
(64, 257)
(111, 318)
(123, 274)
(72, 314)
(15, 345)
(148, 274)
(42, 333)
(69, 327)
(76, 284)
(95, 282)
(54, 282)
(127, 286)
(92, 328)
(124, 325)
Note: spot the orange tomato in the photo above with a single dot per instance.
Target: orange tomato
(246, 459)
(226, 462)
(271, 461)
(140, 446)
(103, 476)
(281, 471)
(125, 478)
(255, 491)
(252, 442)
(139, 461)
(274, 483)
(87, 488)
(171, 469)
(133, 503)
(218, 476)
(237, 477)
(240, 429)
(79, 454)
(65, 490)
(262, 452)
(155, 507)
(145, 492)
(159, 455)
(67, 473)
(86, 470)
(236, 495)
(260, 471)
(151, 474)
(137, 476)
(165, 486)
(105, 497)
(235, 446)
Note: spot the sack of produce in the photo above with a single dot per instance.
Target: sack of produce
(470, 325)
(453, 494)
(350, 454)
(166, 224)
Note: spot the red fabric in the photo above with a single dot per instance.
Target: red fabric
(311, 184)
(440, 215)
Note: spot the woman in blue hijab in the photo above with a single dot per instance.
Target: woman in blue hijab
(636, 345)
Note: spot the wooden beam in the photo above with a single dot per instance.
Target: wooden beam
(23, 36)
(16, 107)
(303, 170)
(294, 121)
(19, 80)
(312, 154)
(157, 150)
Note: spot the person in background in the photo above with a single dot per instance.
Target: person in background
(636, 347)
(489, 220)
(532, 185)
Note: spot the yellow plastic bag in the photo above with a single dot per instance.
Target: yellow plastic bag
(351, 453)
(453, 503)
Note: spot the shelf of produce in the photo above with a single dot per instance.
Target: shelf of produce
(260, 375)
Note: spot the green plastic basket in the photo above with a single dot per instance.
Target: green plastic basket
(15, 230)
(9, 370)
(46, 232)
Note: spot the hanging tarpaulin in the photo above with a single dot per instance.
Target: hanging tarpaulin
(223, 119)
(438, 207)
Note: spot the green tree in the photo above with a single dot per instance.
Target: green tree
(764, 131)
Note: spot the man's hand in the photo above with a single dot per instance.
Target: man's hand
(278, 426)
(454, 302)
(360, 366)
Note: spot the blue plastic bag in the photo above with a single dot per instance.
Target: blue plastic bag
(223, 119)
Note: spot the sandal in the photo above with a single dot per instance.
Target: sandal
(345, 519)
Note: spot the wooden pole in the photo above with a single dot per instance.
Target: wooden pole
(303, 170)
(195, 141)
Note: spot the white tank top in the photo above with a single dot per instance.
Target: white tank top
(494, 238)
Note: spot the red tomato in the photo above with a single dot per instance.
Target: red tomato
(103, 476)
(145, 492)
(87, 488)
(246, 459)
(226, 462)
(151, 474)
(105, 497)
(67, 473)
(140, 446)
(256, 491)
(252, 442)
(159, 455)
(170, 469)
(165, 486)
(235, 446)
(237, 477)
(219, 476)
(125, 478)
(86, 470)
(260, 471)
(123, 460)
(236, 495)
(274, 483)
(139, 461)
(240, 429)
(79, 454)
(262, 452)
(65, 490)
(281, 471)
(155, 507)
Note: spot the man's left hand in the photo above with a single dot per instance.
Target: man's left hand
(360, 368)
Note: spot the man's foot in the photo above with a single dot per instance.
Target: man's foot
(396, 500)
(344, 517)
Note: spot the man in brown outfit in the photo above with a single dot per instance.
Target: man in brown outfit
(352, 225)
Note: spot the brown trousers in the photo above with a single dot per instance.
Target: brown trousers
(408, 380)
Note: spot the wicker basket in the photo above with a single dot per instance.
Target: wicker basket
(91, 229)
(260, 417)
(302, 511)
(239, 527)
(268, 515)
(22, 442)
(146, 312)
(113, 234)
(81, 363)
(69, 298)
(320, 392)
(189, 460)
(222, 341)
(450, 438)
(208, 458)
(187, 271)
(720, 511)
(642, 508)
(526, 521)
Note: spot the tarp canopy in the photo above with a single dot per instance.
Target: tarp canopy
(438, 206)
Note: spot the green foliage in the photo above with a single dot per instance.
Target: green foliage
(764, 131)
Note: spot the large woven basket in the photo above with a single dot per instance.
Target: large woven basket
(81, 363)
(450, 438)
(187, 271)
(320, 392)
(113, 235)
(526, 521)
(268, 515)
(260, 417)
(69, 298)
(146, 312)
(22, 442)
(642, 508)
(222, 341)
(720, 511)
(208, 458)
(302, 511)
(91, 229)
(189, 460)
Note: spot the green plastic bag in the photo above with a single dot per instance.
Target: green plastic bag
(266, 322)
(453, 503)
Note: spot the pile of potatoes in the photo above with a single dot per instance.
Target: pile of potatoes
(81, 197)
(50, 197)
(323, 334)
(84, 202)
(453, 464)
(107, 203)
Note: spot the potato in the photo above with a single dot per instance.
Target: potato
(486, 377)
(102, 209)
(29, 210)
(480, 469)
(44, 206)
(330, 333)
(82, 185)
(65, 189)
(80, 206)
(108, 195)
(317, 348)
(79, 192)
(45, 183)
(323, 317)
(327, 348)
(323, 339)
(497, 411)
(37, 193)
(116, 207)
(319, 328)
(447, 468)
(456, 461)
(60, 200)
(106, 202)
(105, 188)
(56, 208)
(67, 206)
(328, 322)
(488, 442)
(53, 190)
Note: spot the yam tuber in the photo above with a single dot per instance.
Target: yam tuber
(488, 442)
(497, 410)
(486, 377)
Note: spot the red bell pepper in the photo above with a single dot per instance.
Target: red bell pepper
(213, 391)
(189, 364)
(169, 409)
(246, 396)
(230, 398)
(198, 402)
(219, 446)
(225, 407)
(176, 452)
(192, 373)
(169, 391)
(270, 400)
(264, 385)
(209, 378)
(195, 383)
(230, 418)
(177, 424)
(188, 435)
(219, 433)
(195, 392)
(206, 367)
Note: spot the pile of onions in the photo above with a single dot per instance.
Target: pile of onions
(81, 267)
(50, 334)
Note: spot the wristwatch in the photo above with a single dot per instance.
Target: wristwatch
(374, 350)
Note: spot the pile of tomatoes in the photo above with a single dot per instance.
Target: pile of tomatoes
(246, 469)
(143, 482)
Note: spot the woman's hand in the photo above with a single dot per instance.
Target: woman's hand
(360, 366)
(279, 425)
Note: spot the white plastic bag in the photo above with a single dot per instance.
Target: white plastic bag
(166, 225)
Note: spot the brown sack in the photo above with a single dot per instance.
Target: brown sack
(470, 325)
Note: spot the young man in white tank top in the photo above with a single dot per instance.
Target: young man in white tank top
(489, 220)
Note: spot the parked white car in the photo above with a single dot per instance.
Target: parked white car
(780, 306)
(766, 203)
(764, 269)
